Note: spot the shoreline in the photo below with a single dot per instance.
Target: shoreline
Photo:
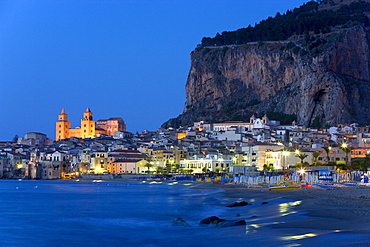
(341, 209)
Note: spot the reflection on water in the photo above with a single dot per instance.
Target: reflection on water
(285, 207)
(155, 182)
(252, 228)
(307, 235)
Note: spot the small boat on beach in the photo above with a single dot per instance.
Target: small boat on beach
(219, 182)
(284, 188)
(286, 184)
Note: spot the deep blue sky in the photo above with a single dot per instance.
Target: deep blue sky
(126, 58)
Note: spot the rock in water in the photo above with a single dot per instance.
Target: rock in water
(228, 223)
(208, 220)
(180, 222)
(238, 204)
(217, 222)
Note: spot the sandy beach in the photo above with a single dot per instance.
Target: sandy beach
(346, 209)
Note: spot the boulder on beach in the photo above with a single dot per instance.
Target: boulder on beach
(208, 220)
(238, 204)
(180, 222)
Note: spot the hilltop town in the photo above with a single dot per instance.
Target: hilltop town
(229, 147)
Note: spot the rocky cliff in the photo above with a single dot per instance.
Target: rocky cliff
(322, 78)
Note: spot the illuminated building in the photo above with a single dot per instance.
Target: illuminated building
(88, 128)
(112, 125)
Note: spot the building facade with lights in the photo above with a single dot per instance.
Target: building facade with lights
(200, 165)
(88, 128)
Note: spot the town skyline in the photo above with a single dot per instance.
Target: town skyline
(120, 59)
(230, 147)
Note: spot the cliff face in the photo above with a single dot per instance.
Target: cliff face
(329, 83)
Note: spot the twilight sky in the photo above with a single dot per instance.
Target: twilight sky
(124, 58)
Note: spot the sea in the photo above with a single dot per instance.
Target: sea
(141, 213)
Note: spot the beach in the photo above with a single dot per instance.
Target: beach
(344, 209)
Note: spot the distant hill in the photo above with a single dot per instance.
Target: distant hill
(311, 64)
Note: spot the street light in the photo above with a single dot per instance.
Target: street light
(302, 171)
(234, 159)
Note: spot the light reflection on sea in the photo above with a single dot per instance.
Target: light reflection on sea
(96, 213)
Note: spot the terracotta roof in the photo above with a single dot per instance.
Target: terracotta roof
(127, 156)
(127, 161)
(126, 151)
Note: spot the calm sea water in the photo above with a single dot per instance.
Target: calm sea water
(82, 213)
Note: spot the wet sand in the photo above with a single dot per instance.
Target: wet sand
(346, 209)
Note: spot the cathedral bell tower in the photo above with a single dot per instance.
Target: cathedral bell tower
(62, 126)
(87, 125)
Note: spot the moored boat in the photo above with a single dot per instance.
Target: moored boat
(286, 184)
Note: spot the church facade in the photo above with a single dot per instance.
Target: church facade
(88, 128)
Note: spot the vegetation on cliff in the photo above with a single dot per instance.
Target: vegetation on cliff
(302, 20)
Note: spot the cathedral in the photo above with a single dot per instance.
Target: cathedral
(89, 128)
